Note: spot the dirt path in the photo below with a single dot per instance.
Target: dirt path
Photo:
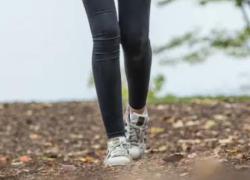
(200, 140)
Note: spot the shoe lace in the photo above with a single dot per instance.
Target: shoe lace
(136, 133)
(119, 149)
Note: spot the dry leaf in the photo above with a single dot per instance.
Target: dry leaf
(155, 130)
(16, 163)
(189, 141)
(24, 158)
(229, 140)
(76, 136)
(35, 136)
(192, 123)
(48, 144)
(170, 119)
(45, 158)
(87, 159)
(246, 127)
(184, 174)
(162, 148)
(29, 113)
(178, 124)
(3, 159)
(96, 146)
(220, 117)
(233, 150)
(209, 124)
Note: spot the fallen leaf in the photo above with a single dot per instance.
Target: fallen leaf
(35, 136)
(48, 144)
(87, 159)
(97, 137)
(168, 119)
(45, 158)
(192, 123)
(162, 148)
(209, 124)
(184, 174)
(178, 124)
(29, 113)
(220, 117)
(189, 141)
(96, 146)
(233, 150)
(24, 158)
(246, 127)
(76, 136)
(4, 159)
(156, 130)
(16, 163)
(229, 140)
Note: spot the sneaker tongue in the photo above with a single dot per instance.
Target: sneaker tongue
(138, 119)
(115, 141)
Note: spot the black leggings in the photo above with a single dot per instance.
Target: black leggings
(132, 31)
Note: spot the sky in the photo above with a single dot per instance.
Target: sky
(46, 46)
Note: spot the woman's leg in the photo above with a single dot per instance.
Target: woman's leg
(134, 18)
(105, 62)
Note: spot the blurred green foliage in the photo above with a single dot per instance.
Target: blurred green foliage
(199, 99)
(155, 87)
(200, 46)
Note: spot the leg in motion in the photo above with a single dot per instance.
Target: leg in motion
(105, 62)
(105, 31)
(134, 17)
(134, 25)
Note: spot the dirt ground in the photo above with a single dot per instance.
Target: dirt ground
(203, 140)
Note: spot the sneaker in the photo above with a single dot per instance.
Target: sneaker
(135, 131)
(117, 153)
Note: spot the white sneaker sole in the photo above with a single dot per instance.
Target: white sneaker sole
(136, 153)
(119, 163)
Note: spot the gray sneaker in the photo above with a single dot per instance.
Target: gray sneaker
(135, 130)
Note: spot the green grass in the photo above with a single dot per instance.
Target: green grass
(202, 99)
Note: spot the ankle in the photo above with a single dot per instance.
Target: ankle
(138, 111)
